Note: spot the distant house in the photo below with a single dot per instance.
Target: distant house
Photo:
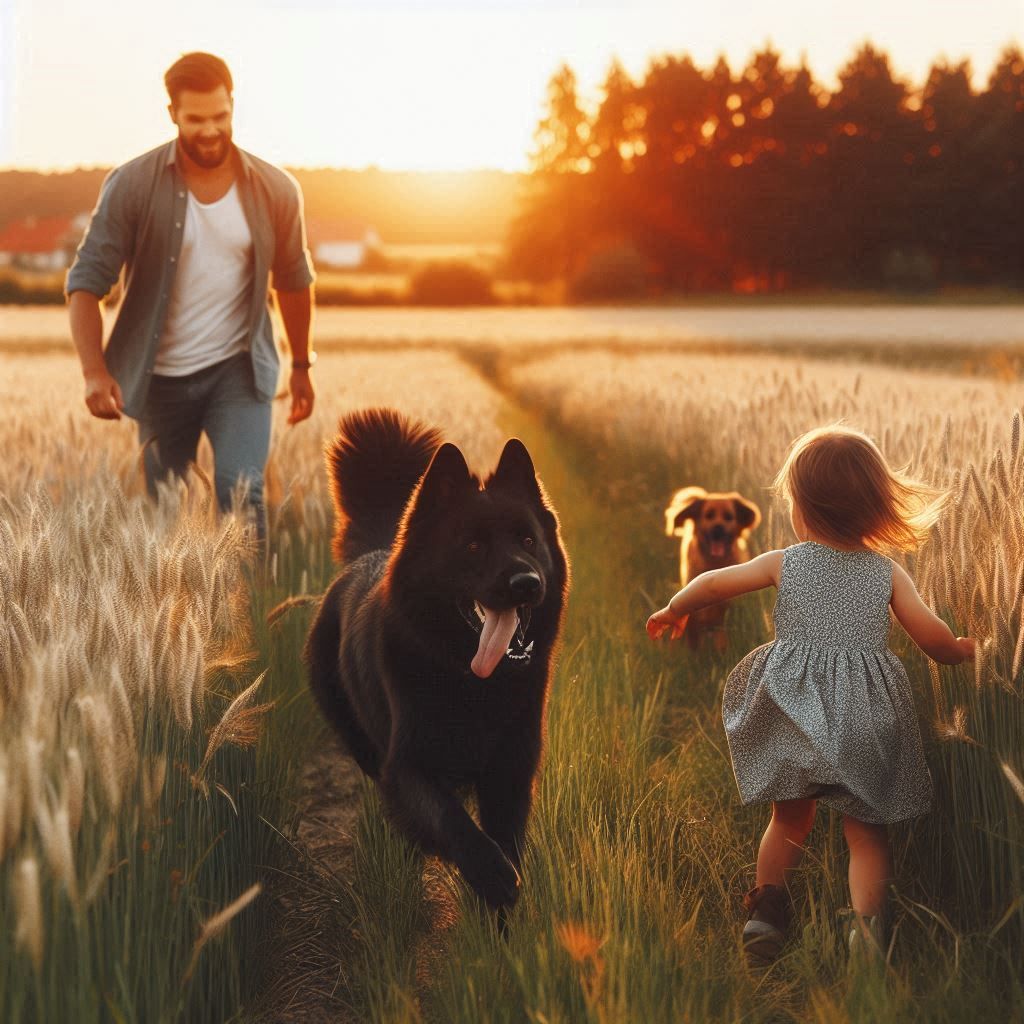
(341, 244)
(41, 243)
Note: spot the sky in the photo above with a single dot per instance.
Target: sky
(414, 84)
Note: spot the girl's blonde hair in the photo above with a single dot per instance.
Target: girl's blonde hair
(849, 496)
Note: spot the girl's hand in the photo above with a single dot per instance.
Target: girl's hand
(965, 644)
(664, 620)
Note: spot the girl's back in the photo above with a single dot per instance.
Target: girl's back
(833, 599)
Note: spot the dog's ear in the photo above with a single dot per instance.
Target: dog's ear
(748, 515)
(685, 504)
(446, 476)
(515, 471)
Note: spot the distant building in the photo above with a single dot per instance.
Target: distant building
(41, 243)
(341, 244)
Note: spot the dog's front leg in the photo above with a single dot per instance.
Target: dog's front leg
(505, 795)
(435, 819)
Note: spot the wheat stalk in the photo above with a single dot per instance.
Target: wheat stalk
(236, 725)
(216, 924)
(28, 934)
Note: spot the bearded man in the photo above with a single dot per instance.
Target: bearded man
(202, 230)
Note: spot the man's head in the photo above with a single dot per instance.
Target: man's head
(200, 86)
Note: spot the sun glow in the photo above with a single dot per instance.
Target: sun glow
(408, 84)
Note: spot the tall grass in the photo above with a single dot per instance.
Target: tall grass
(150, 725)
(638, 848)
(725, 424)
(121, 864)
(120, 631)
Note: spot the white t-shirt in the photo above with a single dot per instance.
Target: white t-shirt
(208, 310)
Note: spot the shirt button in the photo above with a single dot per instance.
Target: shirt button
(178, 224)
(181, 195)
(174, 259)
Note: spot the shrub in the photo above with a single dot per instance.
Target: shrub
(451, 284)
(613, 273)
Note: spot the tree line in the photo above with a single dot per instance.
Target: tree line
(701, 179)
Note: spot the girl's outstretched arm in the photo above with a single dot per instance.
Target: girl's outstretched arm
(923, 626)
(714, 586)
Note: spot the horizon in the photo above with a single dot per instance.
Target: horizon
(469, 101)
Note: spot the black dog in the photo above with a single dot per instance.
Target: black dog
(432, 650)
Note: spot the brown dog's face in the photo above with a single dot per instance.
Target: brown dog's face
(718, 519)
(718, 525)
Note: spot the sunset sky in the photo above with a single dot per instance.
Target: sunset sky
(412, 84)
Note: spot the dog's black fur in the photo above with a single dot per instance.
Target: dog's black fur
(390, 650)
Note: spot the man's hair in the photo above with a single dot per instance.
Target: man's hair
(200, 72)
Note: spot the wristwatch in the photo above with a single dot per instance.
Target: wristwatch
(304, 364)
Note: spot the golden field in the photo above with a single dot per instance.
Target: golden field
(143, 768)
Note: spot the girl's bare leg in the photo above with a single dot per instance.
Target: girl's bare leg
(782, 843)
(870, 865)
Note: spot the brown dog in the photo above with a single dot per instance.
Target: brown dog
(714, 530)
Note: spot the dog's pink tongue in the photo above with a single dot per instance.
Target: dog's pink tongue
(495, 636)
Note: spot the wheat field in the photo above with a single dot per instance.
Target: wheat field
(153, 728)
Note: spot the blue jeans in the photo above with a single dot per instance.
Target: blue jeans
(221, 400)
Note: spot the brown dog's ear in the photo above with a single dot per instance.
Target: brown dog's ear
(748, 515)
(685, 504)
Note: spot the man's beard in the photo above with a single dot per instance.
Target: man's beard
(210, 156)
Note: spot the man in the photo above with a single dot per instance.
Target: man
(201, 227)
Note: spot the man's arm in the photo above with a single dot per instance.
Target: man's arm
(292, 283)
(102, 393)
(96, 268)
(296, 310)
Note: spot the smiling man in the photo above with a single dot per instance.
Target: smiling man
(202, 230)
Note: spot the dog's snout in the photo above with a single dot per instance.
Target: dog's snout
(525, 585)
(718, 532)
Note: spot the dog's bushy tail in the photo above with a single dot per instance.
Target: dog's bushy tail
(373, 465)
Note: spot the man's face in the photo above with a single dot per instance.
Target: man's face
(204, 125)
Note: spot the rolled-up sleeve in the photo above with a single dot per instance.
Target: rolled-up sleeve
(293, 267)
(106, 242)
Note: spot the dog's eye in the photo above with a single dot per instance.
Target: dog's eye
(527, 542)
(728, 517)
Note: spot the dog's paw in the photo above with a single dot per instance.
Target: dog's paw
(491, 875)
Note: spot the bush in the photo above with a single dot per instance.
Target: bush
(18, 289)
(451, 284)
(616, 273)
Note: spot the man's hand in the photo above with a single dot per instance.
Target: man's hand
(300, 386)
(103, 395)
(663, 620)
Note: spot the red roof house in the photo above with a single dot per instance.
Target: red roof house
(41, 243)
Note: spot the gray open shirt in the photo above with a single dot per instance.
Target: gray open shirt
(138, 223)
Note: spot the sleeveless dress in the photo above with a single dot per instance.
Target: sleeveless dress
(826, 710)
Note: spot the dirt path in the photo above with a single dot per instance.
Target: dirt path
(306, 986)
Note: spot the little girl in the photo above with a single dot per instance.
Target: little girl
(825, 712)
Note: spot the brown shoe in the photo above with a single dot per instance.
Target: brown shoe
(764, 934)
